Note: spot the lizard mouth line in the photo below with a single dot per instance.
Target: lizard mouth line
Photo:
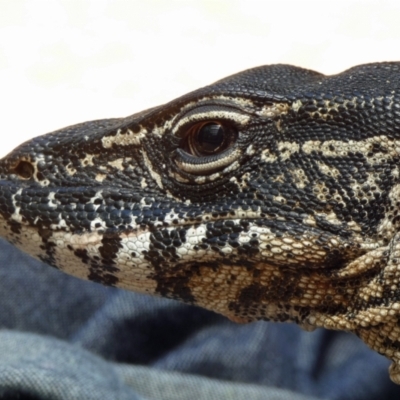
(237, 231)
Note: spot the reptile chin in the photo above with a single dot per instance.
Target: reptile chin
(271, 194)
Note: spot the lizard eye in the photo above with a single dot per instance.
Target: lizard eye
(207, 147)
(208, 138)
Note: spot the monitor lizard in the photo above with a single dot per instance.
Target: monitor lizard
(273, 194)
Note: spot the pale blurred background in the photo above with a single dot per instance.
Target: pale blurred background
(66, 61)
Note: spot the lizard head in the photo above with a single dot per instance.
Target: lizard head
(271, 194)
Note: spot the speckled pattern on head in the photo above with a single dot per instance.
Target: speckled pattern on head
(272, 194)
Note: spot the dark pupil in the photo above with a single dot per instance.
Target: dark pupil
(210, 137)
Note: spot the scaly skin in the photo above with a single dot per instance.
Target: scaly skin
(272, 194)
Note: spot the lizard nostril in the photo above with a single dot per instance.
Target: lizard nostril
(24, 169)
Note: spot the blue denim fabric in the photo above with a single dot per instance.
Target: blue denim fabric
(63, 338)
